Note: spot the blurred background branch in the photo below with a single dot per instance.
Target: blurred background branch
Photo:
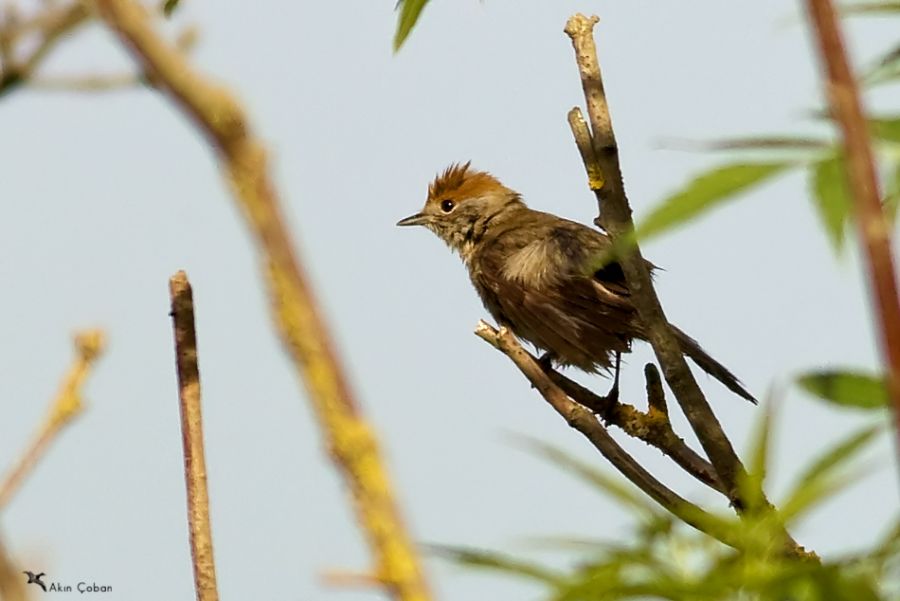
(67, 405)
(349, 437)
(48, 26)
(872, 221)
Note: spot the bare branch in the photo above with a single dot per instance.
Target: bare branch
(585, 422)
(182, 299)
(348, 436)
(652, 427)
(873, 224)
(65, 407)
(615, 218)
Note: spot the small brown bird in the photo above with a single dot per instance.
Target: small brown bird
(537, 274)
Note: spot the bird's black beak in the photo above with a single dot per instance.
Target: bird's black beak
(417, 219)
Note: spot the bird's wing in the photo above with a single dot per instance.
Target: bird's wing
(538, 293)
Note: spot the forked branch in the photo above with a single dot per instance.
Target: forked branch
(615, 218)
(583, 420)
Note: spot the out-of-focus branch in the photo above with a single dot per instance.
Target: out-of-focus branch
(587, 424)
(12, 584)
(85, 83)
(349, 438)
(182, 299)
(51, 25)
(873, 224)
(65, 407)
(615, 218)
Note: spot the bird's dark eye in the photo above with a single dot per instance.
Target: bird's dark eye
(447, 205)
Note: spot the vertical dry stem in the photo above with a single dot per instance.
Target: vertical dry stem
(351, 441)
(182, 299)
(873, 224)
(66, 406)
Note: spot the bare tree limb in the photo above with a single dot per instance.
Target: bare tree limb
(348, 436)
(65, 407)
(652, 427)
(182, 298)
(873, 224)
(615, 218)
(586, 423)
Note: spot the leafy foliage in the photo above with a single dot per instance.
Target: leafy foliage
(706, 192)
(665, 559)
(410, 11)
(846, 388)
(831, 197)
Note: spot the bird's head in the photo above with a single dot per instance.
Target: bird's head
(461, 204)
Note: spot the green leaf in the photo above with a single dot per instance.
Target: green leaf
(846, 388)
(892, 194)
(627, 495)
(871, 8)
(885, 69)
(886, 129)
(410, 10)
(825, 465)
(776, 142)
(831, 194)
(499, 562)
(169, 7)
(752, 484)
(707, 192)
(807, 497)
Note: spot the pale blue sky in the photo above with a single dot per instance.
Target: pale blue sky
(108, 195)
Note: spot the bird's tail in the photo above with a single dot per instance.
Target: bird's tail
(692, 349)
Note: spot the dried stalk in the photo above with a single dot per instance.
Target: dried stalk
(182, 299)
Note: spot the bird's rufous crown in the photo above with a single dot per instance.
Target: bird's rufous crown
(460, 181)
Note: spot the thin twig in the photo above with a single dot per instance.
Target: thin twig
(615, 218)
(182, 298)
(873, 224)
(348, 436)
(53, 24)
(586, 423)
(65, 407)
(652, 427)
(86, 83)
